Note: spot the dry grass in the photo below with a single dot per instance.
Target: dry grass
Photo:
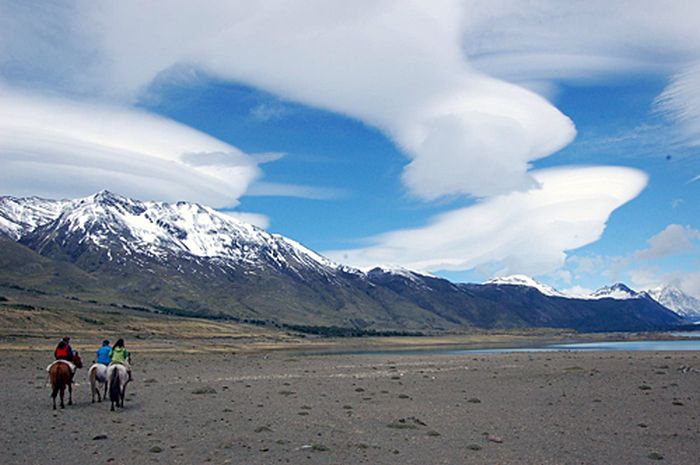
(31, 326)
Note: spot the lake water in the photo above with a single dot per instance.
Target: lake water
(692, 343)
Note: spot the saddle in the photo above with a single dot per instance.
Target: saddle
(70, 365)
(123, 363)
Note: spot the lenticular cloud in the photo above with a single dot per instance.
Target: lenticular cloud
(56, 147)
(525, 232)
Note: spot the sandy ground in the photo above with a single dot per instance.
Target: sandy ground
(282, 407)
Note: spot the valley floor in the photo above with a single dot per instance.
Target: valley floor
(270, 407)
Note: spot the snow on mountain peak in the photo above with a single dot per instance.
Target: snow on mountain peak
(19, 216)
(617, 291)
(676, 300)
(159, 229)
(399, 271)
(527, 281)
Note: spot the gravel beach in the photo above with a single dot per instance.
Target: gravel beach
(285, 407)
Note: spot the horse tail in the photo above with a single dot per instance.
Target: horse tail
(57, 381)
(114, 385)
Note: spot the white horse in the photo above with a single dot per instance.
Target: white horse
(118, 379)
(97, 374)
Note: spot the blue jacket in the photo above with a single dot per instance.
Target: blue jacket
(103, 355)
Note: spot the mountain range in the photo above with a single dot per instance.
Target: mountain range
(188, 259)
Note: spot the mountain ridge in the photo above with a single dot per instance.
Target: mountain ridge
(670, 297)
(185, 257)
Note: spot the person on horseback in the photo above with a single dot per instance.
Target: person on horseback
(103, 353)
(119, 354)
(63, 350)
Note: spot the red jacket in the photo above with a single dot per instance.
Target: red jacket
(63, 353)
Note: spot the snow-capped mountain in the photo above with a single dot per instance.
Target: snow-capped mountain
(19, 216)
(673, 298)
(617, 291)
(527, 281)
(131, 229)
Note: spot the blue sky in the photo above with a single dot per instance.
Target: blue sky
(356, 169)
(455, 137)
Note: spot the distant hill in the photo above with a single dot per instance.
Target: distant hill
(188, 259)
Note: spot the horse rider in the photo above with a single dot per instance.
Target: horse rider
(119, 354)
(64, 352)
(103, 353)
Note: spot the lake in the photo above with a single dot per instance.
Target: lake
(692, 343)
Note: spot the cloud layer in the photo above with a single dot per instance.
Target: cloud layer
(525, 232)
(436, 77)
(61, 148)
(433, 76)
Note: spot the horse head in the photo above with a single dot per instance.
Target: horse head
(77, 361)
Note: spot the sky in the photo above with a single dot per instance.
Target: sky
(467, 139)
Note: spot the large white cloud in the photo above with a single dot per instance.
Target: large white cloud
(60, 148)
(524, 232)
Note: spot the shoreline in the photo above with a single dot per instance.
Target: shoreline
(285, 342)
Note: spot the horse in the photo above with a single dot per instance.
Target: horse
(118, 379)
(97, 374)
(61, 377)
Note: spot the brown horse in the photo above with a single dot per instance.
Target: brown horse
(61, 377)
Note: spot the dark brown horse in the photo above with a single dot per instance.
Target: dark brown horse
(61, 377)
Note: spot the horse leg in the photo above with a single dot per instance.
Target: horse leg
(63, 391)
(54, 392)
(70, 393)
(104, 395)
